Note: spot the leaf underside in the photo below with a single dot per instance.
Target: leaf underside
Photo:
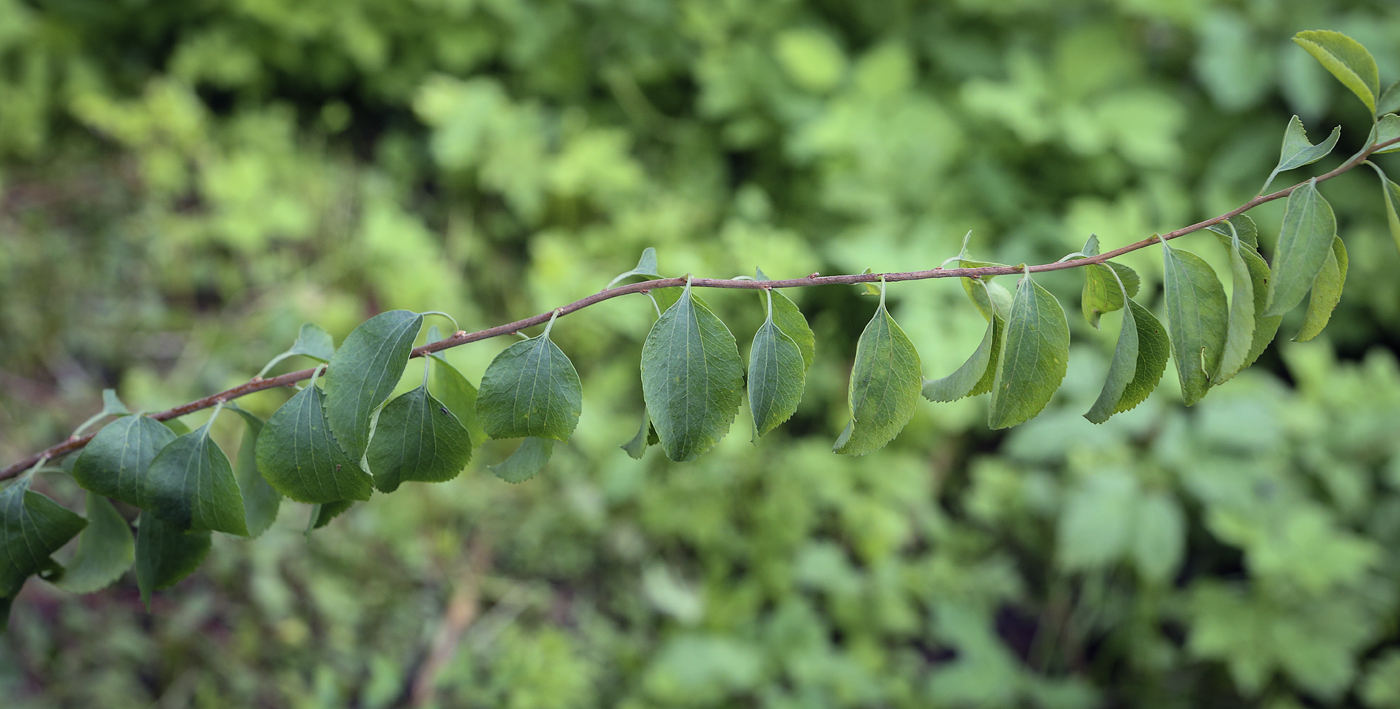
(1196, 318)
(526, 462)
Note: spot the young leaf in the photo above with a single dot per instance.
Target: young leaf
(1388, 128)
(646, 267)
(1391, 192)
(1326, 292)
(312, 341)
(526, 461)
(1239, 334)
(165, 554)
(261, 501)
(322, 514)
(530, 389)
(1347, 60)
(298, 455)
(364, 372)
(985, 297)
(417, 439)
(1244, 228)
(1297, 151)
(1034, 356)
(1130, 381)
(105, 549)
(1389, 101)
(111, 406)
(31, 528)
(885, 385)
(692, 378)
(1102, 293)
(116, 461)
(976, 375)
(1196, 318)
(191, 484)
(1303, 245)
(777, 374)
(638, 445)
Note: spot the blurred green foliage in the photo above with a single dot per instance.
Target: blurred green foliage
(186, 183)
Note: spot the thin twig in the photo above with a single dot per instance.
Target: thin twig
(461, 338)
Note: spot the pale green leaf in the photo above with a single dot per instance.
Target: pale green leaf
(417, 439)
(1096, 525)
(692, 378)
(456, 392)
(322, 514)
(176, 426)
(116, 461)
(1388, 128)
(1391, 193)
(646, 267)
(1159, 543)
(1304, 243)
(530, 389)
(1244, 228)
(885, 384)
(31, 528)
(976, 375)
(646, 435)
(166, 554)
(792, 323)
(1297, 151)
(1102, 293)
(1389, 102)
(992, 297)
(1326, 292)
(777, 374)
(526, 462)
(312, 341)
(298, 455)
(111, 405)
(1196, 318)
(1034, 356)
(191, 484)
(364, 372)
(261, 501)
(1347, 60)
(1239, 335)
(105, 549)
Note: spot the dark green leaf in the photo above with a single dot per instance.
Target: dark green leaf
(530, 389)
(1326, 292)
(646, 267)
(116, 461)
(260, 500)
(1347, 60)
(526, 461)
(1034, 356)
(885, 385)
(457, 394)
(1153, 349)
(191, 484)
(31, 528)
(976, 375)
(1102, 293)
(417, 439)
(364, 372)
(298, 455)
(777, 374)
(105, 549)
(1303, 245)
(638, 445)
(692, 378)
(321, 515)
(1297, 151)
(1196, 318)
(165, 554)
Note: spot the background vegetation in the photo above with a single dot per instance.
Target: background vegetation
(185, 183)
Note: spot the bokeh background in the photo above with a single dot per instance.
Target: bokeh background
(185, 183)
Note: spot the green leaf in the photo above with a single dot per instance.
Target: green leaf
(1196, 319)
(298, 455)
(1347, 60)
(191, 484)
(692, 378)
(992, 298)
(1138, 362)
(885, 384)
(417, 439)
(456, 392)
(1241, 324)
(1297, 151)
(111, 405)
(116, 461)
(646, 267)
(364, 372)
(1034, 356)
(322, 514)
(1121, 371)
(1244, 228)
(792, 323)
(176, 426)
(1303, 245)
(777, 374)
(165, 554)
(31, 528)
(105, 549)
(261, 501)
(530, 389)
(312, 341)
(1388, 128)
(1391, 192)
(1389, 102)
(976, 375)
(1326, 292)
(527, 460)
(1101, 291)
(1160, 540)
(645, 435)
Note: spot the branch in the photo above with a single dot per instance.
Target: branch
(462, 338)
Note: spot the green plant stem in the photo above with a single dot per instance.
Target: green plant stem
(460, 337)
